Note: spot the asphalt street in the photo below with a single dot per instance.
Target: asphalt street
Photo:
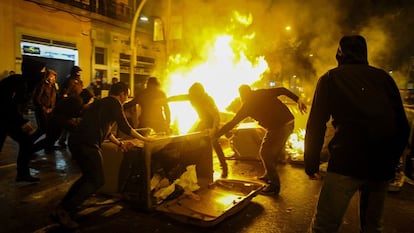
(25, 208)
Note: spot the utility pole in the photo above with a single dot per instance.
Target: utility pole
(133, 59)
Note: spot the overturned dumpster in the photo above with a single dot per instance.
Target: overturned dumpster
(174, 175)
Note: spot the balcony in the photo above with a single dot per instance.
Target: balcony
(113, 9)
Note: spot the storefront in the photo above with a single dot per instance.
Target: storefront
(60, 59)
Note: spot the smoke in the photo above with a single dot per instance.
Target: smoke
(308, 49)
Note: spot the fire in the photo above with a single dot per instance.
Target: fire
(242, 19)
(296, 145)
(223, 71)
(248, 125)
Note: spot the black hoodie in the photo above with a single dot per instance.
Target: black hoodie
(371, 128)
(16, 92)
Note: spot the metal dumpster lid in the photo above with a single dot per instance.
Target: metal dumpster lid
(211, 204)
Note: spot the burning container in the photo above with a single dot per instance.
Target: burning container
(185, 163)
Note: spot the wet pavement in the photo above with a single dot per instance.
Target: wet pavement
(25, 208)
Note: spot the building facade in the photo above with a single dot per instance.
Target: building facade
(93, 34)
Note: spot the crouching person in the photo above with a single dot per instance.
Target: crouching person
(85, 146)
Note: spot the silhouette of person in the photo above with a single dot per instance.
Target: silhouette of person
(264, 106)
(209, 117)
(85, 145)
(155, 112)
(16, 91)
(371, 132)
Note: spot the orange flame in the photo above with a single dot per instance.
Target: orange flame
(221, 74)
(296, 144)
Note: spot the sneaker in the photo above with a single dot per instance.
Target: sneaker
(270, 190)
(27, 178)
(61, 216)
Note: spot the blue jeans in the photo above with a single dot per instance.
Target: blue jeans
(336, 193)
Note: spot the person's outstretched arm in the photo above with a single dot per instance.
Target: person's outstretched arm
(286, 92)
(123, 123)
(240, 115)
(176, 98)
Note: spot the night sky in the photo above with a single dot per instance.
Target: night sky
(316, 27)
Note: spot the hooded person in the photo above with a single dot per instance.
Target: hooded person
(75, 71)
(15, 94)
(209, 117)
(72, 80)
(352, 50)
(371, 132)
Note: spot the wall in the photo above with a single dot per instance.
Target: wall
(20, 17)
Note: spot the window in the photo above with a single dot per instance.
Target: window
(158, 33)
(100, 56)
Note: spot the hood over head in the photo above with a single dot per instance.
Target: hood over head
(196, 89)
(74, 71)
(352, 50)
(244, 92)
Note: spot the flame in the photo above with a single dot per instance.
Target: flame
(223, 68)
(249, 125)
(242, 19)
(223, 71)
(296, 144)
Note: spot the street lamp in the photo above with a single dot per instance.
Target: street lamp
(133, 48)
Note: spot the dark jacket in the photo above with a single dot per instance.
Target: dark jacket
(155, 112)
(70, 85)
(16, 92)
(44, 95)
(97, 121)
(371, 128)
(205, 107)
(207, 111)
(264, 106)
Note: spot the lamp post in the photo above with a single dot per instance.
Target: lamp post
(133, 48)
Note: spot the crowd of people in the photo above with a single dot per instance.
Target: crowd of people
(362, 102)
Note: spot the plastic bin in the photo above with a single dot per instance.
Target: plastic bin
(130, 173)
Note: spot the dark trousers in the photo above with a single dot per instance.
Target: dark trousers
(42, 119)
(56, 127)
(203, 125)
(89, 159)
(272, 151)
(220, 154)
(336, 193)
(52, 135)
(25, 146)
